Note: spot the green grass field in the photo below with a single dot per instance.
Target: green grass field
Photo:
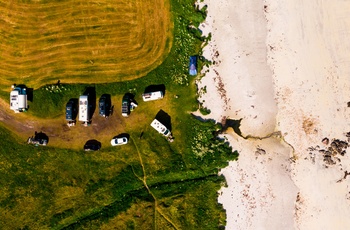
(148, 183)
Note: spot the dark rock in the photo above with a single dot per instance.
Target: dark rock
(325, 141)
(328, 160)
(322, 151)
(260, 151)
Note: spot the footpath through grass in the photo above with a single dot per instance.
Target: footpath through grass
(148, 183)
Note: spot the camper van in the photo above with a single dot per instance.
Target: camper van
(84, 109)
(70, 110)
(160, 128)
(152, 96)
(18, 99)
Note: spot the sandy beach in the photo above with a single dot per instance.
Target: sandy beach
(282, 68)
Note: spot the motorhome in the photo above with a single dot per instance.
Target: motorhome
(160, 128)
(84, 109)
(18, 99)
(152, 96)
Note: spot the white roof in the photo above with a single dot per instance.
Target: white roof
(83, 108)
(18, 102)
(160, 127)
(152, 96)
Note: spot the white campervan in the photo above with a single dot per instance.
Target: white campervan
(84, 109)
(18, 99)
(152, 96)
(160, 128)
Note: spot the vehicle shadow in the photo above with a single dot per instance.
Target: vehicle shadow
(91, 93)
(164, 118)
(93, 142)
(130, 96)
(122, 135)
(155, 88)
(29, 91)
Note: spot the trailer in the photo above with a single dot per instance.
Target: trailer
(162, 129)
(18, 99)
(84, 109)
(152, 96)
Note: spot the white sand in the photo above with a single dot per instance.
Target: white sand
(283, 67)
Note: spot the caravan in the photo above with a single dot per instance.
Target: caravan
(18, 99)
(152, 96)
(84, 109)
(160, 128)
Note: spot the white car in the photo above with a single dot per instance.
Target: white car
(119, 141)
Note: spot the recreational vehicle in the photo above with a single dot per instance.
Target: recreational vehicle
(84, 109)
(18, 99)
(160, 128)
(152, 96)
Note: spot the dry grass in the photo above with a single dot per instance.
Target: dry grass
(81, 41)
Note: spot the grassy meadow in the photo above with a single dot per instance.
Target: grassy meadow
(149, 183)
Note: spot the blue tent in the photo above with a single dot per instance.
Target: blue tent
(193, 65)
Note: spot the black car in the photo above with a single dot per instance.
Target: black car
(92, 145)
(39, 139)
(104, 106)
(71, 110)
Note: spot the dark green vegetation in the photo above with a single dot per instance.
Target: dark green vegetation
(146, 184)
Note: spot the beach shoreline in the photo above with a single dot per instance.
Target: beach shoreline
(286, 82)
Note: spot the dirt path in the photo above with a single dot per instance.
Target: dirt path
(60, 135)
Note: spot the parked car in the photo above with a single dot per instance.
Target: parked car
(32, 140)
(126, 105)
(38, 139)
(119, 141)
(104, 106)
(193, 65)
(92, 145)
(71, 110)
